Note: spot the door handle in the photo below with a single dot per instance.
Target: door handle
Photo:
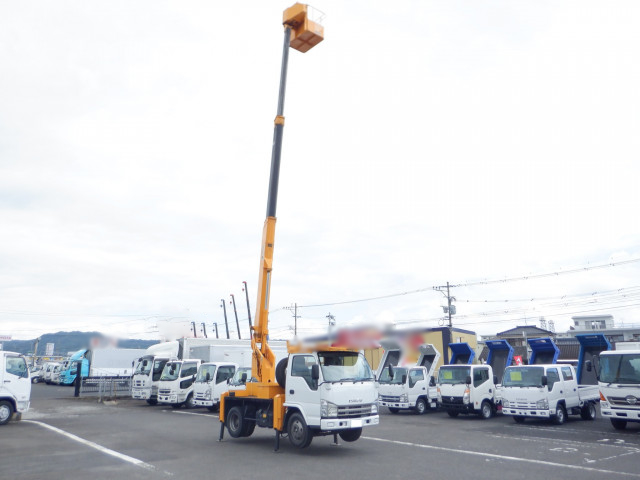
(7, 381)
(291, 392)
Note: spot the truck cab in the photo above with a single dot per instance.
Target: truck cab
(546, 391)
(211, 381)
(410, 387)
(176, 383)
(15, 386)
(146, 378)
(619, 384)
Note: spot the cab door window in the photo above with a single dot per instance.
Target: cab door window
(552, 378)
(224, 373)
(301, 367)
(415, 376)
(480, 375)
(16, 366)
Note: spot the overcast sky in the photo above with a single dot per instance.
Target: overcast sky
(482, 143)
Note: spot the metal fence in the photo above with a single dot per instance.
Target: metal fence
(109, 387)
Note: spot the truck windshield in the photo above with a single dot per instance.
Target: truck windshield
(623, 368)
(144, 367)
(344, 366)
(523, 377)
(202, 373)
(237, 377)
(452, 375)
(397, 376)
(171, 371)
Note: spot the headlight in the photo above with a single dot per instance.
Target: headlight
(404, 398)
(207, 394)
(466, 396)
(542, 404)
(505, 403)
(328, 409)
(374, 408)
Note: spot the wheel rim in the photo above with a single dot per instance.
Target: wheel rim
(421, 406)
(234, 422)
(486, 410)
(5, 412)
(560, 415)
(592, 411)
(297, 431)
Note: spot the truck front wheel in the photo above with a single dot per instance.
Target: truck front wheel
(421, 406)
(619, 424)
(486, 410)
(560, 416)
(299, 434)
(351, 435)
(452, 413)
(6, 410)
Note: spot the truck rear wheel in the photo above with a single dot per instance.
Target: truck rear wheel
(235, 422)
(299, 434)
(351, 435)
(421, 406)
(452, 413)
(518, 418)
(619, 424)
(588, 412)
(6, 410)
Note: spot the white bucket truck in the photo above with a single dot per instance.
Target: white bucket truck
(466, 388)
(409, 387)
(15, 386)
(619, 384)
(547, 390)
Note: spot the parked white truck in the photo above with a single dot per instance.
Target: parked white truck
(149, 370)
(619, 384)
(15, 386)
(211, 381)
(546, 391)
(472, 389)
(410, 387)
(176, 382)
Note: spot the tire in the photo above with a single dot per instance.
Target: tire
(394, 410)
(351, 435)
(452, 414)
(561, 415)
(518, 419)
(281, 372)
(421, 406)
(189, 402)
(176, 405)
(588, 412)
(6, 411)
(213, 409)
(152, 402)
(249, 427)
(486, 410)
(235, 422)
(618, 424)
(299, 434)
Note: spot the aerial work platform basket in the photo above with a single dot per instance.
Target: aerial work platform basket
(306, 26)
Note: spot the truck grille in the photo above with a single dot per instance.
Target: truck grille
(354, 411)
(164, 391)
(523, 405)
(199, 396)
(390, 398)
(138, 383)
(622, 402)
(452, 401)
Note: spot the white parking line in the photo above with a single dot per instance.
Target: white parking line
(502, 457)
(193, 413)
(113, 453)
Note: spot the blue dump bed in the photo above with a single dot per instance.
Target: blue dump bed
(461, 354)
(543, 351)
(591, 344)
(500, 356)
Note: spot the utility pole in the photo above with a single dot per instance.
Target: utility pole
(215, 324)
(226, 323)
(233, 301)
(246, 294)
(195, 334)
(294, 307)
(449, 309)
(204, 330)
(332, 322)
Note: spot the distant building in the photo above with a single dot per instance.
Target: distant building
(592, 322)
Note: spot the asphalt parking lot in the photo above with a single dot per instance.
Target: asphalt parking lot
(62, 437)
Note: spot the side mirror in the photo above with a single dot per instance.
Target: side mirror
(432, 381)
(243, 378)
(208, 377)
(544, 381)
(589, 365)
(390, 371)
(315, 372)
(468, 380)
(403, 380)
(495, 380)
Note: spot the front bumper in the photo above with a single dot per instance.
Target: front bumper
(526, 412)
(346, 423)
(402, 405)
(172, 398)
(203, 403)
(141, 394)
